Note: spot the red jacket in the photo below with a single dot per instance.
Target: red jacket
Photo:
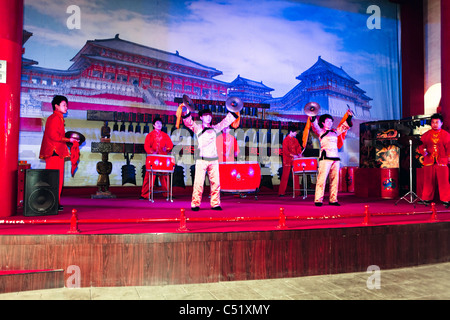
(158, 143)
(227, 148)
(437, 145)
(54, 139)
(291, 147)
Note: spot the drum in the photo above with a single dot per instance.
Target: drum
(343, 180)
(239, 176)
(304, 165)
(160, 163)
(350, 179)
(389, 183)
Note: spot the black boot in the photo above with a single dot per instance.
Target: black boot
(425, 202)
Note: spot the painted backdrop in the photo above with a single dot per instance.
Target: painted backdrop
(137, 56)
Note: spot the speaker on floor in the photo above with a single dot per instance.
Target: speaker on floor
(41, 192)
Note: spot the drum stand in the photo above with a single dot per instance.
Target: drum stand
(304, 182)
(413, 197)
(151, 186)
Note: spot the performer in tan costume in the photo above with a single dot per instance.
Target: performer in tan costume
(330, 141)
(207, 159)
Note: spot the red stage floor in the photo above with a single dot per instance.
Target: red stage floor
(108, 216)
(131, 242)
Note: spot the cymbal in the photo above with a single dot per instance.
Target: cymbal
(76, 135)
(234, 104)
(188, 103)
(312, 109)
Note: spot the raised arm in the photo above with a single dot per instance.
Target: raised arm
(226, 122)
(315, 126)
(189, 122)
(345, 124)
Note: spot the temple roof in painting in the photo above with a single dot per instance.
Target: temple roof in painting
(124, 46)
(243, 82)
(321, 67)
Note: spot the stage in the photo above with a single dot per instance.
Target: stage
(130, 242)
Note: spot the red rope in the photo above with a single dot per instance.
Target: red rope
(183, 220)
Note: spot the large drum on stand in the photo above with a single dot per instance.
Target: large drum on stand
(160, 165)
(303, 166)
(239, 177)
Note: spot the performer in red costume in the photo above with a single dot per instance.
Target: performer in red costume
(54, 149)
(207, 160)
(291, 150)
(156, 142)
(227, 146)
(435, 148)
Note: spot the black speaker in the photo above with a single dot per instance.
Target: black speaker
(41, 192)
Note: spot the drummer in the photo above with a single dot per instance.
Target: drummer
(156, 142)
(291, 150)
(54, 149)
(227, 146)
(207, 159)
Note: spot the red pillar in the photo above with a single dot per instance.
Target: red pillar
(11, 29)
(445, 64)
(413, 57)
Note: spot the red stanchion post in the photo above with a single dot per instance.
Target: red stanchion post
(282, 220)
(433, 212)
(183, 227)
(74, 223)
(366, 216)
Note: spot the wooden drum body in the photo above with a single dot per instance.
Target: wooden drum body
(160, 163)
(304, 164)
(239, 176)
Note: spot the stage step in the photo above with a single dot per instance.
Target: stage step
(24, 280)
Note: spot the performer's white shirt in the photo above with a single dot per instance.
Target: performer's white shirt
(328, 142)
(206, 136)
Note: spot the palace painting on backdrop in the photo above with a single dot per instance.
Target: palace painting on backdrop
(138, 56)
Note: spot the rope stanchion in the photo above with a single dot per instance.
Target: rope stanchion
(282, 220)
(183, 227)
(433, 212)
(74, 223)
(366, 221)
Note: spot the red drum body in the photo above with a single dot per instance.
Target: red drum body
(343, 187)
(304, 164)
(160, 163)
(350, 179)
(389, 183)
(239, 176)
